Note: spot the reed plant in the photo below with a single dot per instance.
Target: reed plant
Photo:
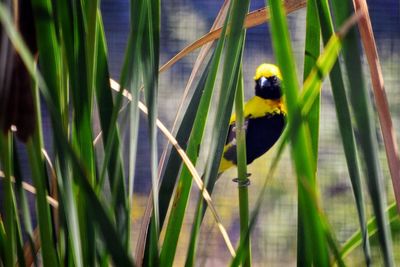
(83, 198)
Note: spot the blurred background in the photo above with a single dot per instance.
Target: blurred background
(274, 242)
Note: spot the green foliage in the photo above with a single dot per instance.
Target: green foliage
(89, 221)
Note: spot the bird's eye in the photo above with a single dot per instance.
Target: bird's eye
(274, 78)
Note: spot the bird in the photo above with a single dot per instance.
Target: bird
(264, 118)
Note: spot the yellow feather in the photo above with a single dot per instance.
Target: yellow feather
(225, 164)
(254, 108)
(267, 70)
(259, 107)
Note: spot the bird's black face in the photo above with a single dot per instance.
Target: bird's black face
(269, 88)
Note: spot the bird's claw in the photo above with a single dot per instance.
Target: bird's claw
(241, 182)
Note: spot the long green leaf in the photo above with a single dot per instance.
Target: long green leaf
(50, 66)
(185, 182)
(242, 171)
(353, 64)
(314, 239)
(343, 11)
(77, 69)
(105, 105)
(222, 118)
(230, 74)
(307, 100)
(149, 62)
(3, 243)
(372, 228)
(311, 55)
(81, 92)
(172, 167)
(82, 138)
(99, 213)
(9, 199)
(24, 207)
(312, 47)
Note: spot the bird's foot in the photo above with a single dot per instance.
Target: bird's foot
(242, 183)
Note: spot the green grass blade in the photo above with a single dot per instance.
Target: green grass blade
(230, 74)
(241, 252)
(82, 138)
(174, 161)
(132, 76)
(81, 93)
(99, 214)
(172, 167)
(43, 211)
(50, 66)
(381, 101)
(242, 171)
(185, 182)
(149, 62)
(72, 28)
(372, 228)
(90, 11)
(9, 200)
(314, 239)
(307, 100)
(234, 46)
(353, 64)
(311, 55)
(105, 106)
(312, 50)
(34, 148)
(3, 244)
(47, 41)
(342, 10)
(36, 162)
(24, 207)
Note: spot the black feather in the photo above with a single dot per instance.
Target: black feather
(261, 134)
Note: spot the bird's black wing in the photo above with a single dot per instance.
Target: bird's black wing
(231, 137)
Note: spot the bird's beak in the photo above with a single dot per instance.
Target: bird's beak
(264, 82)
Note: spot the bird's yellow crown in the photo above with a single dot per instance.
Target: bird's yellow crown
(267, 70)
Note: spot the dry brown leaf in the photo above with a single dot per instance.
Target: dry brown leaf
(382, 106)
(253, 19)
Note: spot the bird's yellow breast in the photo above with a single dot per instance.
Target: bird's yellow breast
(258, 107)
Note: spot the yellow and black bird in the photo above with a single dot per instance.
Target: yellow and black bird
(264, 115)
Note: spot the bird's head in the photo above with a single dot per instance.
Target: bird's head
(268, 81)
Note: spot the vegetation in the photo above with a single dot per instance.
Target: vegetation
(84, 192)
